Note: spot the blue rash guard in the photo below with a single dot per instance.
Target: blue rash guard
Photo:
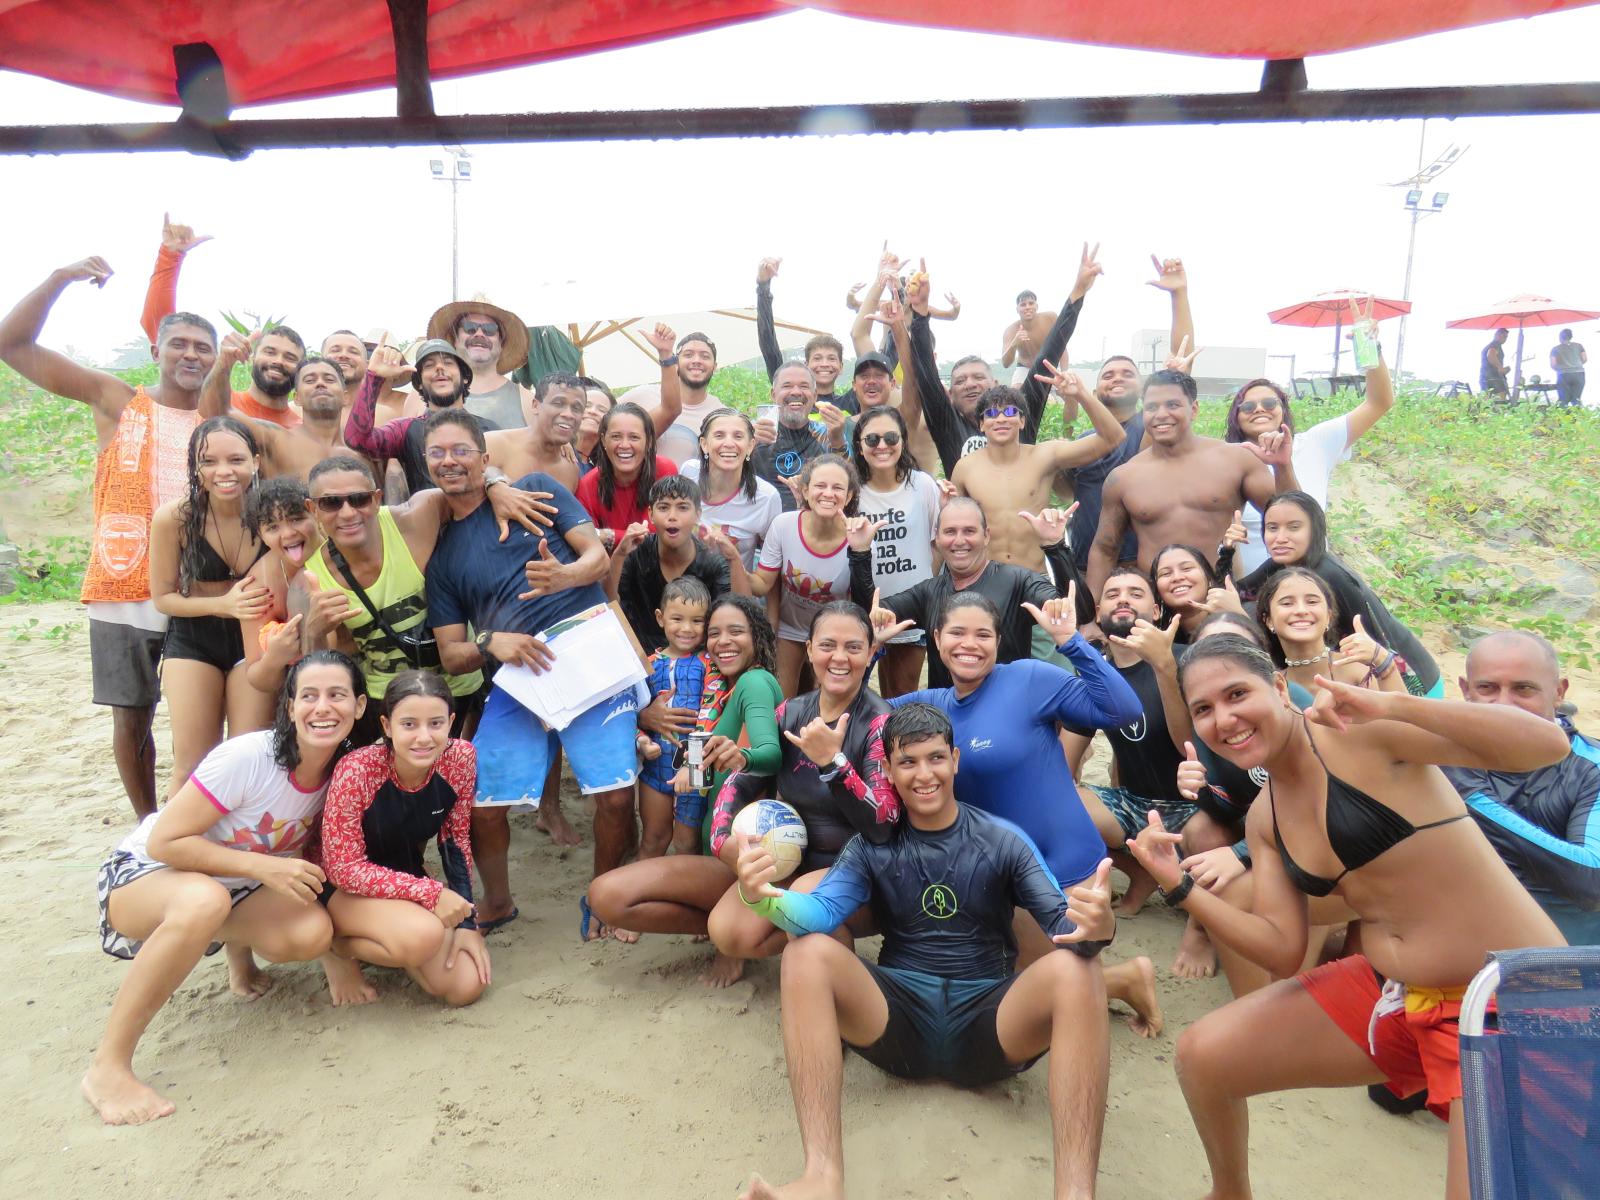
(1012, 764)
(943, 898)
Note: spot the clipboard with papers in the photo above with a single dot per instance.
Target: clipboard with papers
(595, 658)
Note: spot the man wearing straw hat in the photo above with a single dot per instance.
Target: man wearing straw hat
(494, 341)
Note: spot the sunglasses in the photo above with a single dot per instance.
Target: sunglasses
(1009, 410)
(873, 440)
(461, 453)
(1250, 406)
(489, 327)
(360, 501)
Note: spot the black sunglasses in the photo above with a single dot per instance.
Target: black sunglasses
(873, 440)
(360, 501)
(1250, 406)
(489, 327)
(1009, 410)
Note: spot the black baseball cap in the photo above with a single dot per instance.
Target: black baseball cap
(872, 359)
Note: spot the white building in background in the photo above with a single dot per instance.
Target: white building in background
(1219, 370)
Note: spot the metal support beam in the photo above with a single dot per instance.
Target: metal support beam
(408, 19)
(1385, 104)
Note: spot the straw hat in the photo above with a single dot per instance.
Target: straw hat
(513, 333)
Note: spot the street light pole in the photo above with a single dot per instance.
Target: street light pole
(1414, 185)
(460, 172)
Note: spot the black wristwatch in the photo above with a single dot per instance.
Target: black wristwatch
(1180, 893)
(482, 643)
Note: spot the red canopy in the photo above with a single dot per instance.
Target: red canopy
(1333, 308)
(1526, 309)
(292, 49)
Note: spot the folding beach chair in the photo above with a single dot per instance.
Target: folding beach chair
(1532, 1088)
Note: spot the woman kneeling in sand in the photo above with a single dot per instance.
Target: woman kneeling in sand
(385, 802)
(222, 864)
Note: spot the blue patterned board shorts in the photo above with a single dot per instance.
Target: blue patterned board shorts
(515, 749)
(1132, 812)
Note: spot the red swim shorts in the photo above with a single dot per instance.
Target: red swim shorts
(1416, 1047)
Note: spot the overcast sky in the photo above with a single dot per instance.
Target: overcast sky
(1263, 215)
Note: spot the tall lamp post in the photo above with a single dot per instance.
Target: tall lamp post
(461, 172)
(1415, 185)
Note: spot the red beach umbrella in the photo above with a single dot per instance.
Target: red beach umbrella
(1331, 308)
(1522, 311)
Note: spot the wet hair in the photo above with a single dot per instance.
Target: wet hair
(1206, 567)
(411, 683)
(1234, 433)
(287, 335)
(913, 723)
(963, 502)
(172, 320)
(696, 336)
(1228, 648)
(1270, 589)
(1000, 395)
(341, 462)
(747, 473)
(824, 341)
(674, 487)
(283, 498)
(455, 416)
(1238, 625)
(602, 461)
(196, 506)
(689, 590)
(1317, 548)
(967, 599)
(858, 456)
(764, 643)
(840, 608)
(558, 379)
(316, 360)
(852, 480)
(1170, 378)
(285, 741)
(1026, 295)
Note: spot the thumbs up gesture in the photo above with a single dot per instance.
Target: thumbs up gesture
(1191, 774)
(546, 574)
(1360, 646)
(1236, 534)
(1089, 908)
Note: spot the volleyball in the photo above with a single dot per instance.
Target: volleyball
(779, 829)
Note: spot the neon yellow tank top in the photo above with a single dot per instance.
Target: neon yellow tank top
(401, 596)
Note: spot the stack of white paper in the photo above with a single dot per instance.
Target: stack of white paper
(593, 660)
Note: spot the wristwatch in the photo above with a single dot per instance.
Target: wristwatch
(838, 763)
(482, 643)
(670, 360)
(1180, 893)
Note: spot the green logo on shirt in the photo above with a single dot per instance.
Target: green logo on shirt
(939, 902)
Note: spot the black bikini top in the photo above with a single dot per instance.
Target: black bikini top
(1359, 829)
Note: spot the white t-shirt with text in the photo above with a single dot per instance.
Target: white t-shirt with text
(742, 518)
(902, 551)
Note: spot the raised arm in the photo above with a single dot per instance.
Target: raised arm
(1174, 280)
(1036, 390)
(1379, 399)
(766, 325)
(386, 441)
(667, 411)
(923, 382)
(56, 373)
(161, 297)
(1109, 433)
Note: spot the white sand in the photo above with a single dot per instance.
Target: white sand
(584, 1071)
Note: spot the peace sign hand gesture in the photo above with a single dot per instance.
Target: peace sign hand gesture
(1182, 359)
(820, 741)
(1066, 383)
(1089, 269)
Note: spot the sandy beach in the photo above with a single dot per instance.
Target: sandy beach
(600, 1070)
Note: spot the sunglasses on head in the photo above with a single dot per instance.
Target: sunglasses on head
(360, 501)
(1008, 410)
(489, 327)
(873, 440)
(1250, 406)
